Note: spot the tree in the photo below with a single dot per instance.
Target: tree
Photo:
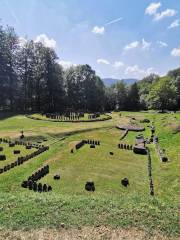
(8, 77)
(73, 88)
(110, 99)
(2, 68)
(49, 58)
(133, 99)
(41, 78)
(163, 95)
(11, 49)
(174, 73)
(177, 84)
(85, 91)
(95, 95)
(144, 87)
(27, 73)
(59, 89)
(175, 78)
(121, 95)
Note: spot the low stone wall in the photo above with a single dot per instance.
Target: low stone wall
(125, 146)
(22, 159)
(161, 153)
(31, 182)
(151, 185)
(124, 134)
(81, 143)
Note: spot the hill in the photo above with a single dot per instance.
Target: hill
(110, 81)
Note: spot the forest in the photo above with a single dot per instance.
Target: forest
(32, 80)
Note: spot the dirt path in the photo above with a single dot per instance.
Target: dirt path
(86, 233)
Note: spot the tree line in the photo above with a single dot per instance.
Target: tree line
(31, 79)
(152, 92)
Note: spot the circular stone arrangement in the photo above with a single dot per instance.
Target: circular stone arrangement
(71, 118)
(131, 127)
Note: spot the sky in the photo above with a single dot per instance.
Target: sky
(117, 38)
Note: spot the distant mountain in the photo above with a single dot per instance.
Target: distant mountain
(129, 81)
(110, 81)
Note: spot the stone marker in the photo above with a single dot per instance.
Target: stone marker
(125, 182)
(2, 157)
(56, 177)
(17, 151)
(89, 186)
(92, 146)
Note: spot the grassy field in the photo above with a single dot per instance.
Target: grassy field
(111, 204)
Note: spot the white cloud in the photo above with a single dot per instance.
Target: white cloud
(131, 46)
(152, 8)
(150, 71)
(22, 41)
(164, 14)
(136, 71)
(162, 44)
(174, 24)
(47, 42)
(145, 45)
(103, 61)
(118, 64)
(66, 64)
(176, 52)
(98, 30)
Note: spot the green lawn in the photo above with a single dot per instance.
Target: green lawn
(111, 203)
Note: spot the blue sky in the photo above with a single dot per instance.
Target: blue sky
(118, 38)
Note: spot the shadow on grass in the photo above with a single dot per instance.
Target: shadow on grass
(49, 137)
(71, 133)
